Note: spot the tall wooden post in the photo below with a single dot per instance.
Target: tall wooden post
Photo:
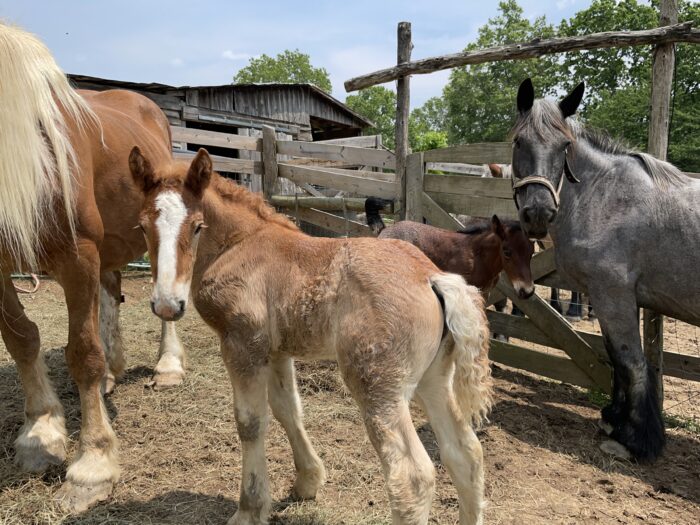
(403, 102)
(661, 87)
(415, 167)
(269, 157)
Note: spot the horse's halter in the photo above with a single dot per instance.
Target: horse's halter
(544, 181)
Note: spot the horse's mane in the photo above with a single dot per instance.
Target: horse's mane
(229, 191)
(544, 119)
(663, 174)
(484, 226)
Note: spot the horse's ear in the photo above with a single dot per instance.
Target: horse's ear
(141, 170)
(569, 104)
(199, 174)
(497, 227)
(496, 171)
(526, 96)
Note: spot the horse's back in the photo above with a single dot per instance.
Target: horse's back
(127, 119)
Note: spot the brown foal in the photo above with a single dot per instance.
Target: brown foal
(478, 252)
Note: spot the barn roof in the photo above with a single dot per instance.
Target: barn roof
(268, 99)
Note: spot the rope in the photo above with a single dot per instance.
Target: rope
(35, 281)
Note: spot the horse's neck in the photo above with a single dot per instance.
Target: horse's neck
(485, 248)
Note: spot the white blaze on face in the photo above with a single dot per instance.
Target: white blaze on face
(168, 291)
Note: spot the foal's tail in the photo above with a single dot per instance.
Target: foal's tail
(466, 321)
(36, 155)
(372, 207)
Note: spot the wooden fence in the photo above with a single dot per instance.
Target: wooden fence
(309, 165)
(434, 197)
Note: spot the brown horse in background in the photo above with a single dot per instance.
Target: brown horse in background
(68, 206)
(478, 252)
(396, 324)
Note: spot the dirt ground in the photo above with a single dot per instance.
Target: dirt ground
(180, 455)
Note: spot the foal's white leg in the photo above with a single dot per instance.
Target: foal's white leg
(42, 438)
(249, 380)
(110, 332)
(460, 449)
(286, 407)
(170, 370)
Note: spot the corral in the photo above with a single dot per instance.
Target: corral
(179, 455)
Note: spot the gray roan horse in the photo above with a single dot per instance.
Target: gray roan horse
(626, 228)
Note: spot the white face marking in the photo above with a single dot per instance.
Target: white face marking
(171, 215)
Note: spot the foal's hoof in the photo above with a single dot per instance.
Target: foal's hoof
(605, 426)
(165, 380)
(573, 318)
(615, 449)
(75, 498)
(42, 445)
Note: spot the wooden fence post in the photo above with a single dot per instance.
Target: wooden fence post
(661, 86)
(269, 157)
(414, 187)
(403, 102)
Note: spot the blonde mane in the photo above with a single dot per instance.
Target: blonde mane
(232, 192)
(36, 157)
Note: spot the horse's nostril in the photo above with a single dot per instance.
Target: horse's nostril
(527, 214)
(182, 306)
(153, 307)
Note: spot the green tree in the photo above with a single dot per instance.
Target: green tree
(288, 67)
(480, 99)
(426, 125)
(378, 104)
(618, 81)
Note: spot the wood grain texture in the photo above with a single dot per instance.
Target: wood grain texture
(269, 158)
(536, 48)
(478, 153)
(225, 164)
(437, 216)
(332, 222)
(466, 185)
(215, 138)
(403, 106)
(414, 187)
(347, 154)
(344, 182)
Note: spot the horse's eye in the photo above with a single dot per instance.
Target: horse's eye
(199, 228)
(516, 142)
(507, 253)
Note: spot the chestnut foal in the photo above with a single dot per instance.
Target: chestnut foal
(478, 253)
(396, 324)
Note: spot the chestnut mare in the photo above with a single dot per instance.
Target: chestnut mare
(478, 252)
(396, 324)
(68, 205)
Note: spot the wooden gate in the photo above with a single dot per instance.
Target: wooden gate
(433, 197)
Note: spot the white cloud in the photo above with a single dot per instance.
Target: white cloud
(563, 4)
(230, 55)
(177, 62)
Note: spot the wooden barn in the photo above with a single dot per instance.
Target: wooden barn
(300, 111)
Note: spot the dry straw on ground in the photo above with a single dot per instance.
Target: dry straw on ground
(181, 458)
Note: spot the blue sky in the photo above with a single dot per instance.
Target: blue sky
(206, 42)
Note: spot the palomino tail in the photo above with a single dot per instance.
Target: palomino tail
(36, 156)
(466, 320)
(372, 207)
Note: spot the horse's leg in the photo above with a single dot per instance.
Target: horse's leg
(94, 471)
(554, 300)
(170, 370)
(516, 311)
(574, 312)
(42, 438)
(460, 449)
(500, 306)
(286, 407)
(613, 414)
(639, 427)
(408, 470)
(110, 332)
(249, 378)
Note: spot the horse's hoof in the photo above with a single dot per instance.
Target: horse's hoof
(165, 380)
(308, 483)
(615, 449)
(41, 444)
(573, 318)
(605, 427)
(75, 498)
(245, 518)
